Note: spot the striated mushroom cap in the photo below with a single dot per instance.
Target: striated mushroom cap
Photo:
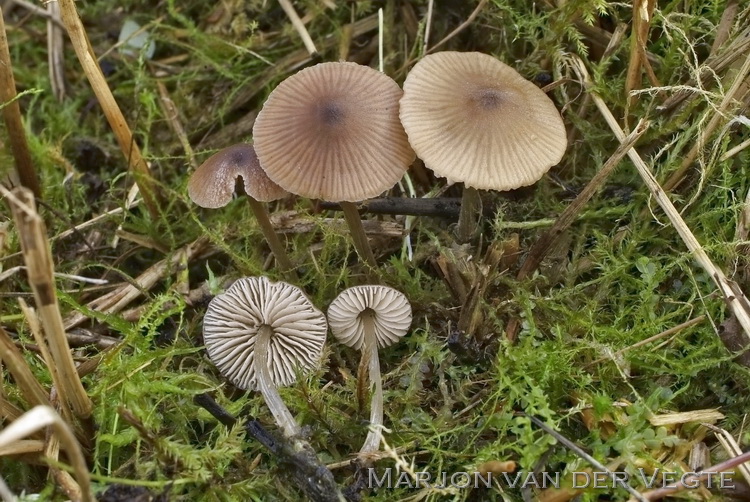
(474, 119)
(234, 318)
(213, 182)
(390, 309)
(332, 132)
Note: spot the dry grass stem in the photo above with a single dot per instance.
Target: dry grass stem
(733, 295)
(568, 216)
(36, 331)
(732, 447)
(685, 417)
(117, 300)
(55, 45)
(43, 416)
(40, 270)
(581, 453)
(136, 163)
(12, 117)
(31, 389)
(173, 117)
(740, 85)
(299, 26)
(22, 446)
(643, 11)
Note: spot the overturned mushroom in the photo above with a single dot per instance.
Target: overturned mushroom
(260, 334)
(365, 318)
(212, 186)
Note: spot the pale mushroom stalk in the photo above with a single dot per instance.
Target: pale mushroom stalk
(372, 442)
(365, 318)
(272, 238)
(265, 384)
(362, 245)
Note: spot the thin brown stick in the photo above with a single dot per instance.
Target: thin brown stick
(642, 14)
(733, 295)
(173, 118)
(461, 27)
(12, 117)
(136, 163)
(563, 222)
(40, 270)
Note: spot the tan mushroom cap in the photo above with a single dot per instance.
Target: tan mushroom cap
(391, 314)
(474, 119)
(332, 132)
(212, 184)
(233, 319)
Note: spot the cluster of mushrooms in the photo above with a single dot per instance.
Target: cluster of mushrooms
(343, 132)
(263, 334)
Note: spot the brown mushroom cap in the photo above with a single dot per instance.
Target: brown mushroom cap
(332, 132)
(212, 184)
(474, 119)
(390, 309)
(233, 320)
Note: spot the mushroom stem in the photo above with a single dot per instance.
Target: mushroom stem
(468, 217)
(272, 238)
(351, 214)
(266, 387)
(370, 351)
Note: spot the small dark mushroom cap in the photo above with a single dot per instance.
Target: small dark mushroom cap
(390, 309)
(332, 132)
(474, 119)
(212, 184)
(234, 318)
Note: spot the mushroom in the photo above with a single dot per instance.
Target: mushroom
(260, 334)
(332, 132)
(365, 318)
(474, 119)
(213, 184)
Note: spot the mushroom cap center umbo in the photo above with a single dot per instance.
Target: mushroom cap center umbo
(486, 99)
(331, 113)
